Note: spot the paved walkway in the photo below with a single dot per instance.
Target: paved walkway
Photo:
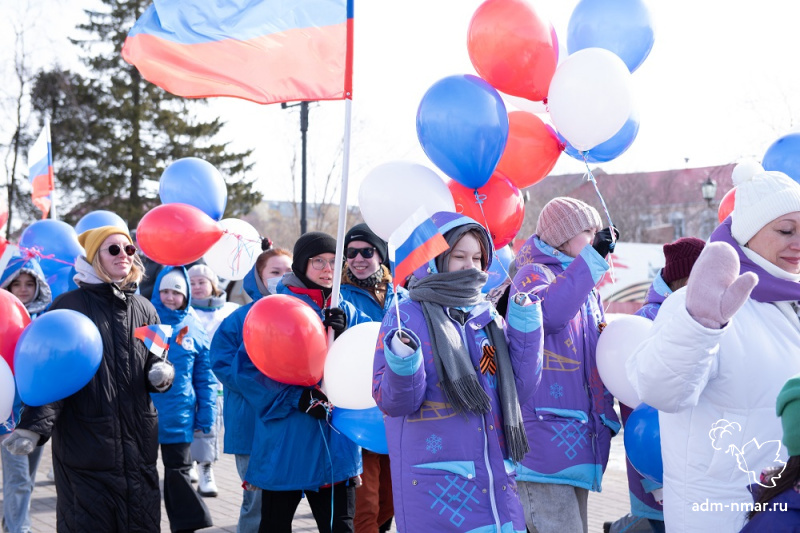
(604, 506)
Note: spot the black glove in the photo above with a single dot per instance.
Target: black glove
(314, 402)
(336, 320)
(603, 243)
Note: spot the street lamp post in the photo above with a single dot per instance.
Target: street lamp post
(709, 190)
(303, 131)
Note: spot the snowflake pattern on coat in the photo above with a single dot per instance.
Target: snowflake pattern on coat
(434, 444)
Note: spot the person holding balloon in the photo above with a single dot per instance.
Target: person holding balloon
(450, 375)
(105, 436)
(23, 277)
(295, 452)
(777, 493)
(367, 284)
(209, 305)
(237, 414)
(647, 513)
(189, 407)
(570, 419)
(719, 352)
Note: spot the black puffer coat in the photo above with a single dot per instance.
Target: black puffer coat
(105, 436)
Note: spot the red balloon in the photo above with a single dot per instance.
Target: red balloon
(286, 340)
(726, 205)
(501, 212)
(531, 151)
(14, 319)
(512, 48)
(177, 234)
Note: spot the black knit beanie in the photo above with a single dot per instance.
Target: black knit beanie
(361, 232)
(310, 245)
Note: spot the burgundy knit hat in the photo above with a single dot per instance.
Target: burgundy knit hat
(563, 218)
(681, 256)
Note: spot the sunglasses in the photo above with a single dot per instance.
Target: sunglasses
(115, 249)
(366, 253)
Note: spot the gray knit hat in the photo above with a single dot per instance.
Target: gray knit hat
(563, 218)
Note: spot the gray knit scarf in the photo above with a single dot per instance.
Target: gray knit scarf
(457, 377)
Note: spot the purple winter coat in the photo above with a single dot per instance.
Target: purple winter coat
(570, 419)
(640, 489)
(451, 472)
(779, 515)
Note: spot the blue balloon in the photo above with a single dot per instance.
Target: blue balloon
(52, 238)
(784, 155)
(62, 281)
(194, 182)
(97, 219)
(610, 149)
(462, 125)
(498, 270)
(643, 443)
(363, 426)
(56, 356)
(621, 26)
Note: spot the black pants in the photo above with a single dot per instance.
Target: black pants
(185, 507)
(278, 508)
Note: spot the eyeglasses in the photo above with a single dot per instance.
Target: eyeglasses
(366, 253)
(319, 263)
(115, 249)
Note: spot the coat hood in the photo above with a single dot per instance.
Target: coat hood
(253, 285)
(171, 316)
(29, 265)
(447, 221)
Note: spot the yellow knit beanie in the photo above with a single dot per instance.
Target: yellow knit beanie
(93, 238)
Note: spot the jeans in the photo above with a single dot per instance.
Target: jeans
(205, 447)
(250, 513)
(552, 508)
(19, 476)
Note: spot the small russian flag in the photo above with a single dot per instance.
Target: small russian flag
(40, 171)
(414, 243)
(155, 337)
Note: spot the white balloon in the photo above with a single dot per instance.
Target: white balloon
(617, 343)
(590, 97)
(347, 379)
(393, 191)
(236, 252)
(6, 390)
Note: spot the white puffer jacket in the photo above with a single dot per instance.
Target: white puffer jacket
(716, 392)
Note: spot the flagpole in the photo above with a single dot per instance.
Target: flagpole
(53, 211)
(340, 230)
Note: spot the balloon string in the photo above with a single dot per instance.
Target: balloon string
(30, 253)
(330, 460)
(612, 271)
(241, 248)
(479, 199)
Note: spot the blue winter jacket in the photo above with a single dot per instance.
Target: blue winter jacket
(291, 449)
(191, 402)
(16, 266)
(367, 304)
(237, 415)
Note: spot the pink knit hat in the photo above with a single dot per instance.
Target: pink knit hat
(563, 218)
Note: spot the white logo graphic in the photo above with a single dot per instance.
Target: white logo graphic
(723, 437)
(188, 344)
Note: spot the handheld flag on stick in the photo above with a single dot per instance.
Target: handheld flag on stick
(40, 171)
(155, 337)
(264, 51)
(414, 243)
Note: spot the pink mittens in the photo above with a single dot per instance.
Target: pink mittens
(716, 290)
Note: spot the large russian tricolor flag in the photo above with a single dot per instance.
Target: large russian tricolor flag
(413, 244)
(40, 171)
(261, 50)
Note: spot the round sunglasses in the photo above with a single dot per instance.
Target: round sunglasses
(115, 249)
(366, 253)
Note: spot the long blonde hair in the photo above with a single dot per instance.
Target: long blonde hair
(133, 278)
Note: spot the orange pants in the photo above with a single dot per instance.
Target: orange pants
(374, 504)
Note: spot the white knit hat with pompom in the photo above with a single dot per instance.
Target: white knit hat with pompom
(761, 197)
